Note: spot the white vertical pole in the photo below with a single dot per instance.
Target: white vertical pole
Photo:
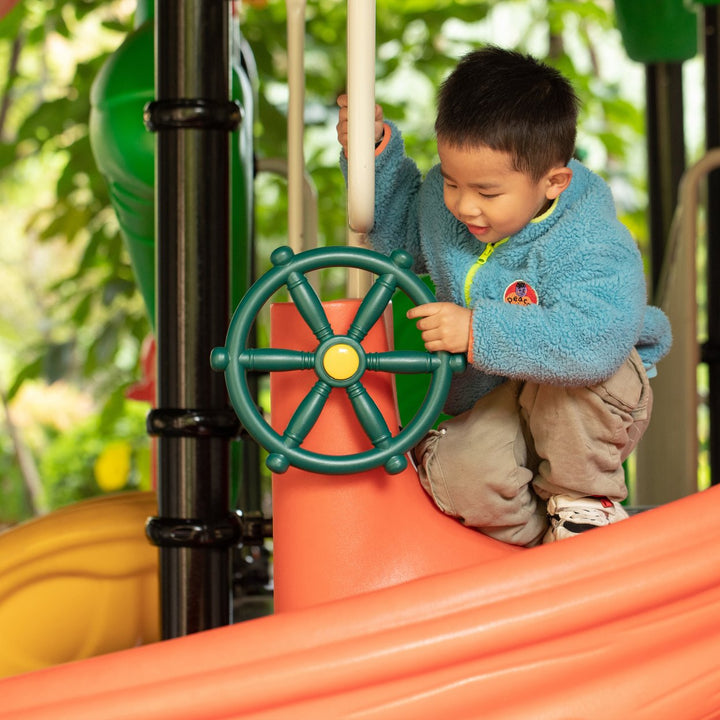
(361, 130)
(296, 121)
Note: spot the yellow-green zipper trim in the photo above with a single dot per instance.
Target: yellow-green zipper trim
(486, 253)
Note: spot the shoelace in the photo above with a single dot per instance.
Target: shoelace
(591, 516)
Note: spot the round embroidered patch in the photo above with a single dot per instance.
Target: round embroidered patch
(520, 293)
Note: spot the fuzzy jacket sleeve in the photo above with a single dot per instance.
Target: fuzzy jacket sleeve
(398, 182)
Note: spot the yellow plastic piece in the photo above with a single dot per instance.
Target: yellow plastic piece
(112, 468)
(341, 361)
(79, 582)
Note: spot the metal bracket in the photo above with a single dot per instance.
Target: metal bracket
(199, 114)
(180, 422)
(194, 533)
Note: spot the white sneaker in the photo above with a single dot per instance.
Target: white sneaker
(569, 515)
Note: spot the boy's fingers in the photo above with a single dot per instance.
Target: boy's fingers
(421, 311)
(342, 102)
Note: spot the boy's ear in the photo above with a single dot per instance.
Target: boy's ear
(557, 180)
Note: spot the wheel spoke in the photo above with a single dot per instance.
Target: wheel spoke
(403, 361)
(309, 305)
(372, 306)
(369, 415)
(272, 359)
(306, 415)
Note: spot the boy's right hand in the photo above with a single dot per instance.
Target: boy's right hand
(342, 126)
(443, 325)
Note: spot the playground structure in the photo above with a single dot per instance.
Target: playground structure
(426, 617)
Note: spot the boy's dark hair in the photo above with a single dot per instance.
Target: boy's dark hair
(510, 102)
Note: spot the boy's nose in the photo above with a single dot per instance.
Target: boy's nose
(468, 206)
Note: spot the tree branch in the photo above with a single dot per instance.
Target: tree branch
(28, 468)
(12, 73)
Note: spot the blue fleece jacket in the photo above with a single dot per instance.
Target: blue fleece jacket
(577, 263)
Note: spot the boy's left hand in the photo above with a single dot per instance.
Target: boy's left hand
(443, 326)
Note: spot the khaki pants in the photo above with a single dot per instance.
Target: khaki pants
(493, 466)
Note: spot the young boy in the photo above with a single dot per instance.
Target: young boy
(542, 287)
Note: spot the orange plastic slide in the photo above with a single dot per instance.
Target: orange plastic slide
(390, 610)
(619, 623)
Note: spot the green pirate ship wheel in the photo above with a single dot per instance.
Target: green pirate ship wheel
(339, 361)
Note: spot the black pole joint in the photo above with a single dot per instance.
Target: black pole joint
(194, 533)
(198, 113)
(181, 422)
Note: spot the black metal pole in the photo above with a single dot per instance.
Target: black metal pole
(711, 350)
(665, 152)
(193, 117)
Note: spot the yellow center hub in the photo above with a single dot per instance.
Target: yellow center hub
(341, 361)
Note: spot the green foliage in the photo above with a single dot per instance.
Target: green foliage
(84, 321)
(67, 466)
(14, 501)
(92, 312)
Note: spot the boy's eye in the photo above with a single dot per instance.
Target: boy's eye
(488, 196)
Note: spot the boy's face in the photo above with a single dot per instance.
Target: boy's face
(483, 192)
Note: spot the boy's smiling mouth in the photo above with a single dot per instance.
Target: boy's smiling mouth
(477, 229)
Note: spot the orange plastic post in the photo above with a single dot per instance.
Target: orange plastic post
(336, 536)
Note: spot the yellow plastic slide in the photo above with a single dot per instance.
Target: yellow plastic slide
(78, 582)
